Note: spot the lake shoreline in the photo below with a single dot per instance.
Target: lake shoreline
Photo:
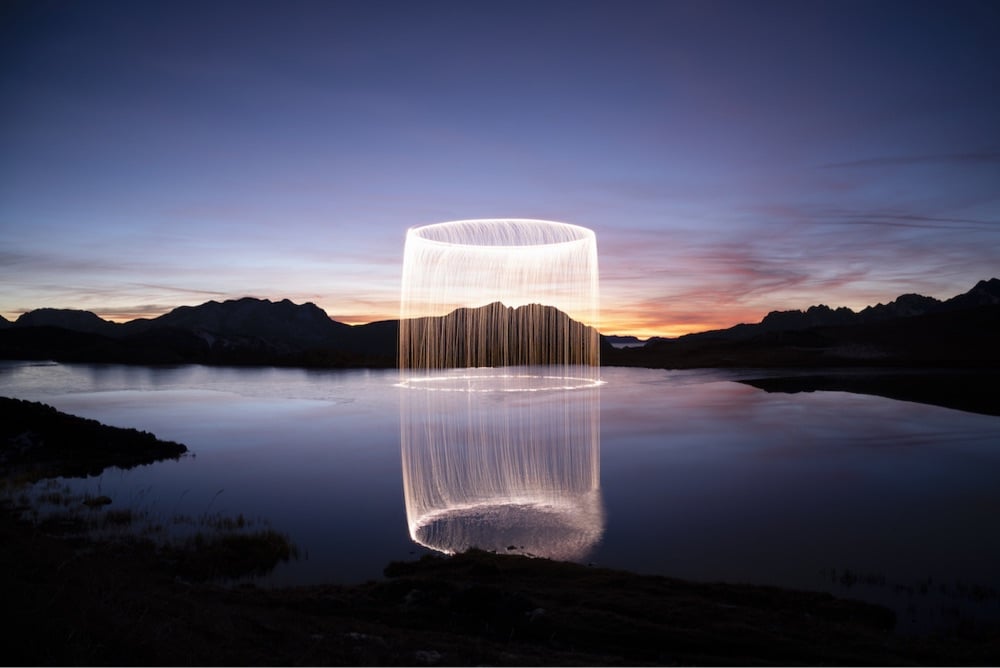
(78, 603)
(956, 388)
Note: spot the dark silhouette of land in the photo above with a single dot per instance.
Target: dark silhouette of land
(245, 331)
(914, 348)
(911, 331)
(496, 335)
(972, 390)
(37, 441)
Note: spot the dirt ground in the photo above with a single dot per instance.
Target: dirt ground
(70, 601)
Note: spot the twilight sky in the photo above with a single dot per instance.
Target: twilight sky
(731, 157)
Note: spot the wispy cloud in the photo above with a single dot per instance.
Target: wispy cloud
(971, 158)
(788, 257)
(125, 313)
(180, 290)
(915, 221)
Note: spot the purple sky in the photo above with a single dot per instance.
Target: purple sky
(732, 157)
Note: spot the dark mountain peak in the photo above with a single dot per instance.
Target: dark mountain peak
(535, 308)
(824, 311)
(907, 305)
(264, 303)
(248, 306)
(815, 316)
(982, 293)
(903, 306)
(498, 309)
(495, 335)
(73, 319)
(302, 325)
(992, 286)
(912, 298)
(620, 339)
(4, 322)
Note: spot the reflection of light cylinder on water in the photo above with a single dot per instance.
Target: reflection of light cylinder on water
(500, 469)
(499, 359)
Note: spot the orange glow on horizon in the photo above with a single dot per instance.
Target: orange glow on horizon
(675, 322)
(667, 331)
(355, 320)
(121, 318)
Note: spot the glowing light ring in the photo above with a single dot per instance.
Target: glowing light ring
(519, 233)
(569, 383)
(579, 524)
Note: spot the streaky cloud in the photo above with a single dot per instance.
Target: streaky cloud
(921, 222)
(180, 290)
(983, 157)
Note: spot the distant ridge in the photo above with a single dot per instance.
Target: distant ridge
(278, 323)
(72, 319)
(984, 293)
(245, 331)
(910, 330)
(619, 341)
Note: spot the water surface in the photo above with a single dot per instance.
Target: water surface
(698, 476)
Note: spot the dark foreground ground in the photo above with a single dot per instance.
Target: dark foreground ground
(76, 604)
(70, 600)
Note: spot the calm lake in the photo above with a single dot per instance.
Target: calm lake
(682, 473)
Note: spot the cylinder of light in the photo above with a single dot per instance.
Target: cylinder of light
(499, 354)
(499, 292)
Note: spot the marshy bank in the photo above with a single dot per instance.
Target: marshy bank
(105, 588)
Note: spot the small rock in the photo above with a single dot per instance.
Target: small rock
(427, 657)
(97, 501)
(365, 638)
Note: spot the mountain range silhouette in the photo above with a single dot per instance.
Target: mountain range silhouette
(910, 330)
